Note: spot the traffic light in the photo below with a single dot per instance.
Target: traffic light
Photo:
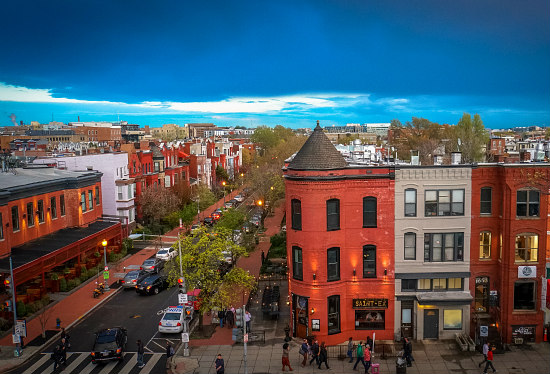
(8, 285)
(189, 313)
(181, 285)
(239, 318)
(7, 305)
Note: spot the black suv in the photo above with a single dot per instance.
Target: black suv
(153, 284)
(109, 345)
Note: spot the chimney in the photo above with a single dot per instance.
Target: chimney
(438, 160)
(524, 156)
(456, 158)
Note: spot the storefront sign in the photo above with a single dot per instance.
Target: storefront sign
(525, 332)
(315, 325)
(527, 271)
(482, 280)
(484, 331)
(370, 303)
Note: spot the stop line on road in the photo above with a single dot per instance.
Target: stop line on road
(80, 363)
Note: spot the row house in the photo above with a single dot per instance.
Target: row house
(414, 251)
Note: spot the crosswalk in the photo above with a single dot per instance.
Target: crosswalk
(81, 363)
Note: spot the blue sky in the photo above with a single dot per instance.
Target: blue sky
(284, 62)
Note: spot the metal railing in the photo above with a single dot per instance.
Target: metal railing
(382, 351)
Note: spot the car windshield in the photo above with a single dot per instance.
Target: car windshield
(106, 337)
(149, 280)
(132, 275)
(172, 317)
(149, 262)
(162, 252)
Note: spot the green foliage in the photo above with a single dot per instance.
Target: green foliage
(83, 269)
(278, 240)
(63, 285)
(232, 219)
(221, 174)
(127, 245)
(54, 276)
(265, 136)
(21, 309)
(4, 324)
(473, 137)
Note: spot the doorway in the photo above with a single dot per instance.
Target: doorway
(431, 323)
(407, 318)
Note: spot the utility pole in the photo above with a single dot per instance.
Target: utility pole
(17, 345)
(245, 338)
(183, 290)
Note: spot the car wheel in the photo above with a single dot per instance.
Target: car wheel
(156, 290)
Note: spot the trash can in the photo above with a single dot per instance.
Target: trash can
(401, 365)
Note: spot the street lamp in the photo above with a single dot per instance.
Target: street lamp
(223, 184)
(104, 244)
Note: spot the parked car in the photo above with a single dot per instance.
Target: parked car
(133, 277)
(173, 320)
(228, 205)
(166, 254)
(152, 265)
(215, 216)
(209, 221)
(109, 345)
(152, 285)
(239, 198)
(195, 227)
(256, 220)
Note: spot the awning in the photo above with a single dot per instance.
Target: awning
(183, 154)
(444, 298)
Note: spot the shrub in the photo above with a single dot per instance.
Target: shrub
(45, 300)
(83, 269)
(277, 252)
(21, 309)
(278, 240)
(4, 324)
(83, 277)
(63, 285)
(71, 284)
(54, 276)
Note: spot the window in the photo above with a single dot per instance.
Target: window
(486, 200)
(369, 211)
(297, 270)
(424, 284)
(157, 167)
(119, 190)
(485, 244)
(130, 192)
(527, 203)
(97, 200)
(333, 264)
(481, 295)
(369, 261)
(30, 215)
(40, 211)
(15, 218)
(370, 319)
(53, 207)
(91, 199)
(444, 247)
(62, 204)
(439, 284)
(454, 284)
(527, 246)
(452, 319)
(333, 314)
(410, 202)
(410, 246)
(408, 284)
(444, 203)
(524, 295)
(296, 208)
(333, 214)
(83, 201)
(131, 215)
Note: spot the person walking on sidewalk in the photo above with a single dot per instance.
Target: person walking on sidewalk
(220, 365)
(247, 318)
(169, 353)
(304, 349)
(56, 357)
(229, 318)
(350, 349)
(140, 353)
(285, 358)
(489, 361)
(368, 358)
(360, 355)
(315, 352)
(485, 350)
(323, 356)
(63, 349)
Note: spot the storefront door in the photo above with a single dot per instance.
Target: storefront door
(300, 313)
(431, 323)
(407, 327)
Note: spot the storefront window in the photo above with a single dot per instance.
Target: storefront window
(482, 294)
(424, 284)
(370, 320)
(333, 314)
(452, 319)
(524, 295)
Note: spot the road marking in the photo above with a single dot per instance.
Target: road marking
(154, 342)
(107, 368)
(81, 357)
(88, 368)
(132, 361)
(37, 364)
(151, 363)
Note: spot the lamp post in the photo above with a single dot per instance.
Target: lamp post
(223, 184)
(104, 244)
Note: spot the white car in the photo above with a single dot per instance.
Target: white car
(166, 254)
(173, 319)
(239, 198)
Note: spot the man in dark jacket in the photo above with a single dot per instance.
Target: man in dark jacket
(220, 366)
(315, 352)
(407, 351)
(169, 354)
(229, 318)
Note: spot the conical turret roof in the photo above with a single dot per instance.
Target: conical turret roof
(318, 153)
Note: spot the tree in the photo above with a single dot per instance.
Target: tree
(265, 136)
(156, 203)
(183, 192)
(201, 256)
(205, 197)
(420, 135)
(473, 137)
(221, 174)
(187, 216)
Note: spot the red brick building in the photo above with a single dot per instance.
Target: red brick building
(508, 250)
(340, 237)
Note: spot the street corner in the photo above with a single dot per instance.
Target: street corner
(183, 365)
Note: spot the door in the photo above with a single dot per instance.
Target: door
(407, 318)
(431, 323)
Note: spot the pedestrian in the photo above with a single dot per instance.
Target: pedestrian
(169, 353)
(304, 349)
(56, 357)
(323, 356)
(63, 351)
(489, 360)
(485, 350)
(314, 352)
(263, 257)
(221, 316)
(285, 358)
(140, 353)
(370, 343)
(360, 355)
(229, 318)
(350, 349)
(407, 351)
(368, 357)
(220, 366)
(247, 318)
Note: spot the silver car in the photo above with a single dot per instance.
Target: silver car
(133, 277)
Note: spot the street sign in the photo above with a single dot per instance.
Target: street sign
(106, 275)
(245, 339)
(106, 268)
(16, 339)
(484, 331)
(182, 298)
(21, 328)
(185, 337)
